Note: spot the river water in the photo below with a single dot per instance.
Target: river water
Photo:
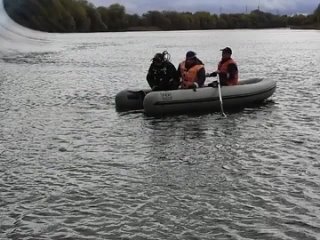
(71, 167)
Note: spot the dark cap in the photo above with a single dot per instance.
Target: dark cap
(158, 57)
(226, 50)
(190, 54)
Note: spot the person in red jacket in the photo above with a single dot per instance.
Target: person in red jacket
(191, 71)
(227, 69)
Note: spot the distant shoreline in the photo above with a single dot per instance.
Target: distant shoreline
(156, 29)
(306, 27)
(62, 16)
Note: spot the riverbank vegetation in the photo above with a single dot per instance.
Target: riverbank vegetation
(81, 16)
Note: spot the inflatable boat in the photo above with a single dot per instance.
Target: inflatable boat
(205, 99)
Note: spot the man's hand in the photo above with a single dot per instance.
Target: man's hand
(155, 88)
(213, 84)
(213, 74)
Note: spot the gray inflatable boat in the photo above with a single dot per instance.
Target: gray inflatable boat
(206, 99)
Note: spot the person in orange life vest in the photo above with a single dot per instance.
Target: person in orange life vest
(227, 70)
(191, 71)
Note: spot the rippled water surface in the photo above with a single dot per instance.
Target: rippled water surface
(71, 167)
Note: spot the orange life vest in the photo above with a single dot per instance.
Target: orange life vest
(189, 76)
(223, 68)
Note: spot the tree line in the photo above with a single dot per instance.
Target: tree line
(81, 16)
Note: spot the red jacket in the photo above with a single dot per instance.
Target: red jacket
(226, 77)
(189, 76)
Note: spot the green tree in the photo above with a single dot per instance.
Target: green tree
(78, 11)
(156, 19)
(178, 21)
(114, 17)
(82, 16)
(316, 15)
(133, 20)
(206, 21)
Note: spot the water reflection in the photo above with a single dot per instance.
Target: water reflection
(192, 151)
(168, 137)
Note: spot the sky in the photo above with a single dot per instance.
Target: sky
(215, 6)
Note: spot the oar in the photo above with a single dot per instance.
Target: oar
(220, 96)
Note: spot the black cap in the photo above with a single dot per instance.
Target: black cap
(190, 54)
(158, 57)
(226, 50)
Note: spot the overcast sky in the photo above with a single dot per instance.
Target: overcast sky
(215, 6)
